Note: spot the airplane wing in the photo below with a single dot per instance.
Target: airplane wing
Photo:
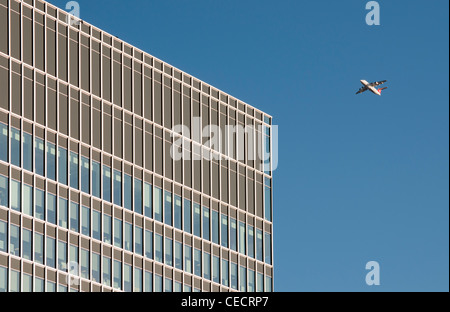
(361, 90)
(378, 83)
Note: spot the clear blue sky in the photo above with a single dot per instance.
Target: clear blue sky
(360, 178)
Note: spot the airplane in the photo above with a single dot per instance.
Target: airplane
(371, 87)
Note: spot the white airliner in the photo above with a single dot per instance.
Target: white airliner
(371, 87)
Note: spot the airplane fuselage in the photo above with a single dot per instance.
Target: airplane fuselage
(371, 88)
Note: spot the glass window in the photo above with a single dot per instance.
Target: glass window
(62, 165)
(27, 249)
(215, 227)
(197, 218)
(117, 233)
(188, 259)
(3, 236)
(107, 220)
(168, 208)
(242, 237)
(96, 224)
(268, 284)
(157, 203)
(206, 265)
(148, 200)
(158, 283)
(96, 267)
(62, 288)
(96, 179)
(206, 223)
(233, 234)
(15, 147)
(50, 252)
(106, 271)
(138, 196)
(84, 263)
(267, 248)
(224, 230)
(62, 256)
(225, 273)
(127, 192)
(138, 240)
(187, 216)
(85, 221)
(259, 282)
(38, 248)
(168, 251)
(198, 262)
(39, 284)
(118, 188)
(62, 212)
(15, 195)
(73, 257)
(234, 275)
(177, 212)
(177, 287)
(39, 156)
(267, 200)
(4, 142)
(251, 241)
(242, 279)
(137, 280)
(4, 191)
(14, 240)
(51, 208)
(148, 281)
(168, 285)
(3, 277)
(128, 236)
(178, 255)
(158, 248)
(27, 200)
(251, 281)
(259, 245)
(127, 278)
(148, 244)
(187, 288)
(74, 217)
(107, 183)
(73, 170)
(51, 161)
(15, 281)
(39, 204)
(216, 269)
(27, 151)
(117, 275)
(85, 172)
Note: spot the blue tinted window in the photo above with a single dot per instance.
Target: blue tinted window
(27, 151)
(117, 232)
(127, 192)
(62, 165)
(117, 283)
(127, 278)
(51, 208)
(267, 248)
(198, 262)
(137, 280)
(106, 183)
(138, 232)
(206, 266)
(138, 196)
(177, 212)
(148, 200)
(39, 156)
(215, 226)
(15, 195)
(197, 218)
(216, 270)
(242, 279)
(39, 248)
(107, 220)
(96, 267)
(206, 223)
(242, 238)
(117, 188)
(168, 208)
(225, 280)
(26, 244)
(106, 271)
(251, 281)
(259, 282)
(259, 245)
(224, 231)
(178, 251)
(268, 284)
(128, 236)
(51, 161)
(234, 275)
(50, 252)
(148, 244)
(4, 142)
(96, 224)
(62, 212)
(85, 172)
(158, 248)
(168, 285)
(158, 283)
(74, 170)
(148, 281)
(15, 147)
(85, 221)
(84, 263)
(96, 179)
(27, 200)
(14, 240)
(3, 236)
(62, 256)
(39, 204)
(251, 241)
(188, 259)
(74, 217)
(4, 191)
(187, 216)
(168, 247)
(157, 203)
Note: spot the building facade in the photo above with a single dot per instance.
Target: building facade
(91, 195)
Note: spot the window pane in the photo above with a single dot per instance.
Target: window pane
(62, 256)
(96, 224)
(38, 248)
(158, 283)
(138, 240)
(206, 265)
(251, 241)
(267, 248)
(267, 200)
(27, 151)
(39, 204)
(158, 248)
(62, 165)
(177, 212)
(187, 216)
(107, 183)
(268, 284)
(3, 236)
(39, 156)
(85, 171)
(15, 147)
(234, 276)
(138, 196)
(117, 275)
(4, 142)
(242, 238)
(177, 287)
(15, 281)
(51, 287)
(15, 195)
(148, 244)
(96, 179)
(27, 250)
(260, 282)
(127, 192)
(215, 226)
(107, 228)
(51, 161)
(127, 278)
(233, 235)
(62, 212)
(14, 240)
(118, 188)
(50, 252)
(187, 288)
(4, 191)
(39, 284)
(84, 263)
(128, 236)
(168, 285)
(117, 233)
(206, 223)
(197, 262)
(74, 170)
(251, 281)
(27, 200)
(242, 279)
(148, 200)
(197, 218)
(178, 255)
(86, 221)
(216, 269)
(106, 271)
(168, 251)
(51, 208)
(74, 217)
(73, 252)
(137, 280)
(157, 203)
(168, 208)
(148, 278)
(225, 272)
(96, 267)
(188, 259)
(224, 231)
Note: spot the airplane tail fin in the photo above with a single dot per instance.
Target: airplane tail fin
(379, 90)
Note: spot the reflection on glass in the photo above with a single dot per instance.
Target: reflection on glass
(39, 156)
(27, 141)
